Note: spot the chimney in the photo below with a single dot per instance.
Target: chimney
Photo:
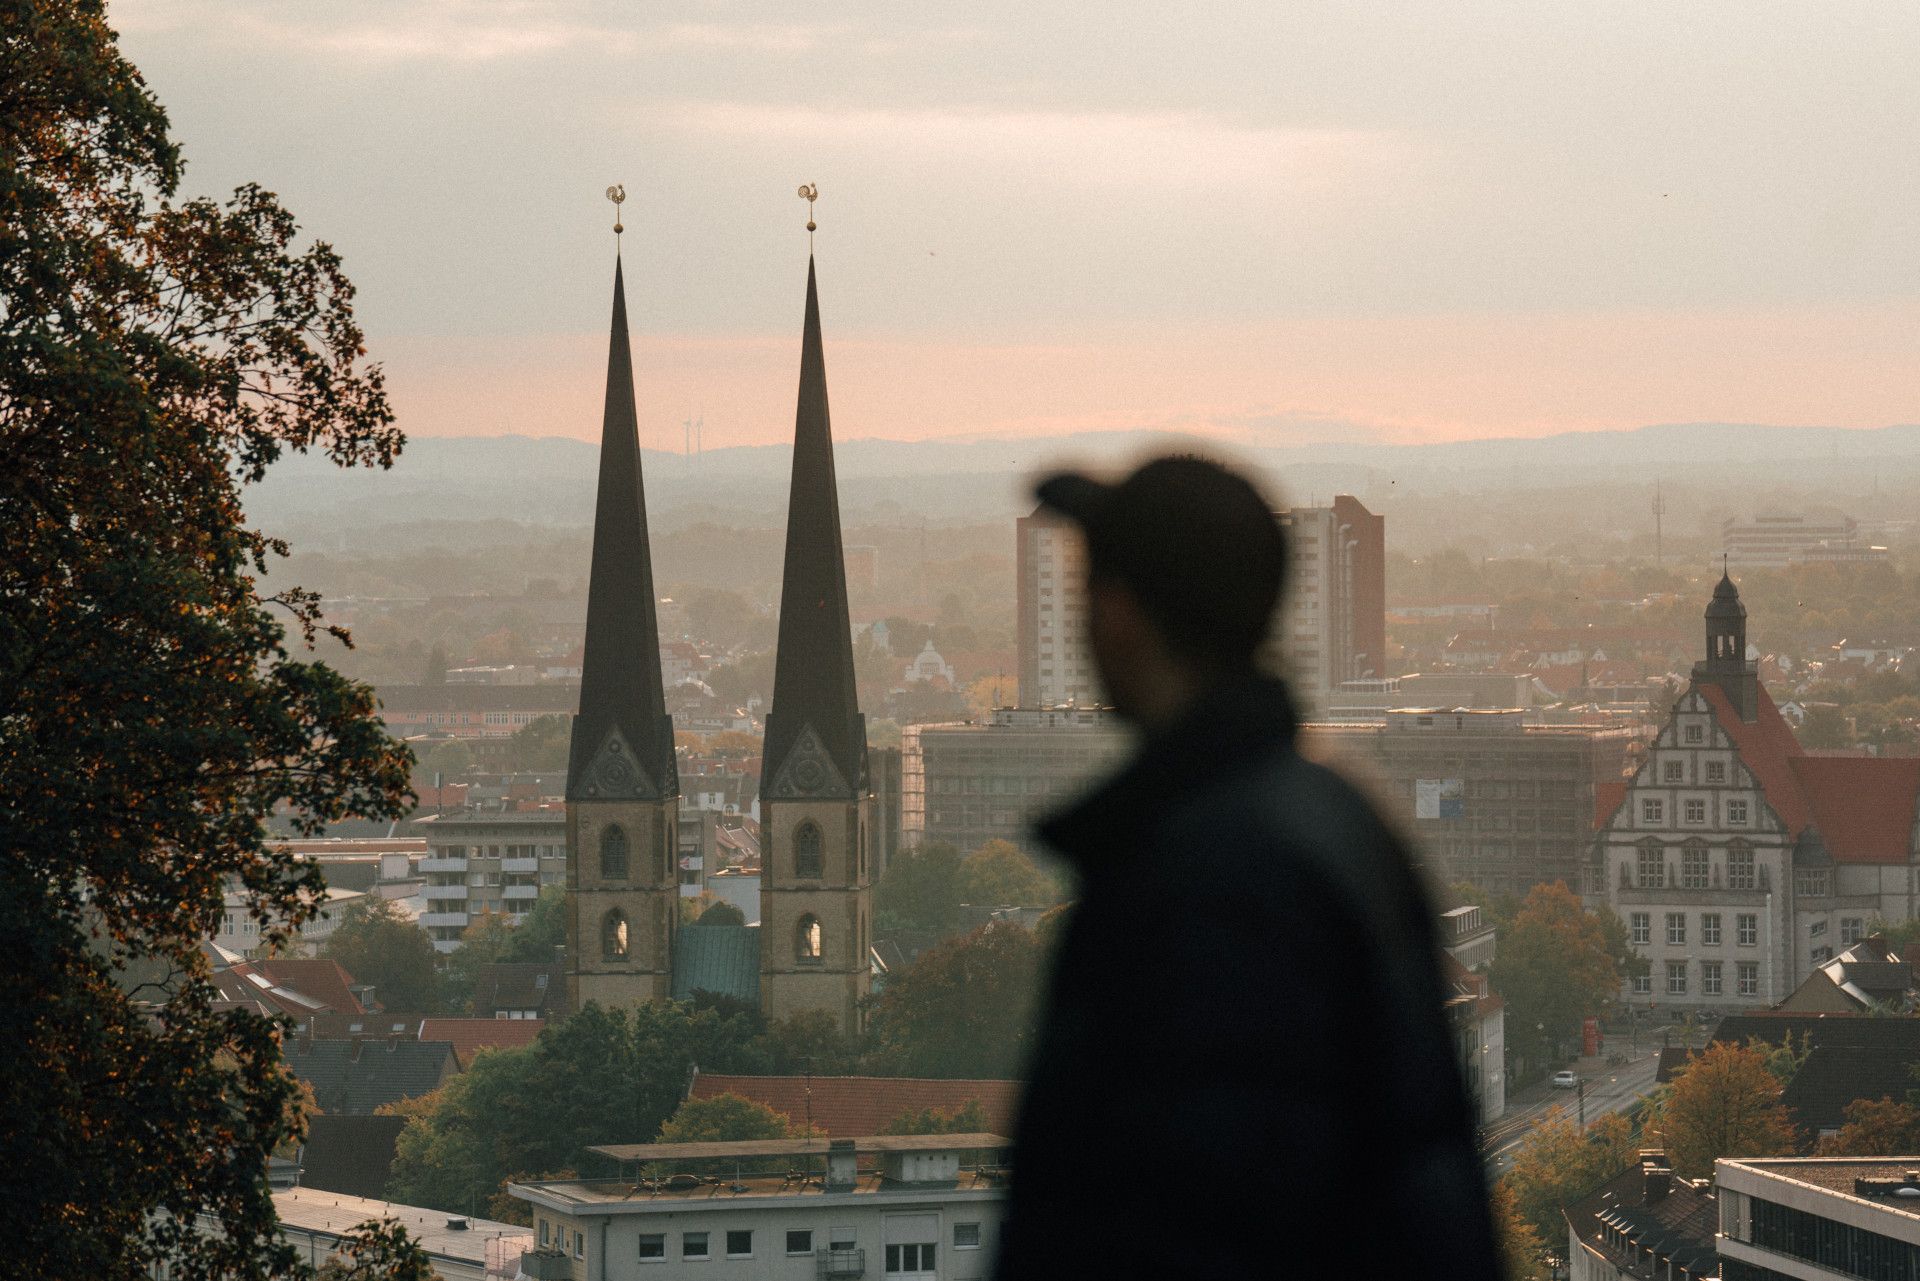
(843, 1166)
(1655, 1182)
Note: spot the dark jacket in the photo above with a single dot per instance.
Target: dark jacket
(1243, 1068)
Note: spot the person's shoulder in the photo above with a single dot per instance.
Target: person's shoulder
(1290, 814)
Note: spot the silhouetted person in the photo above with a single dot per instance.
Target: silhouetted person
(1242, 1067)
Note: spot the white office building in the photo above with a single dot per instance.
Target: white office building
(906, 1208)
(1840, 1219)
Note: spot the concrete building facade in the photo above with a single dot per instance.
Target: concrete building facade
(914, 1208)
(1486, 797)
(989, 782)
(1840, 1219)
(487, 862)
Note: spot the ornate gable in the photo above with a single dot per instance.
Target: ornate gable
(808, 773)
(616, 774)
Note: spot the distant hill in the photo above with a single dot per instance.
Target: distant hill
(550, 481)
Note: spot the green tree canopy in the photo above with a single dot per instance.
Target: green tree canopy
(725, 1118)
(540, 745)
(921, 888)
(968, 1118)
(156, 357)
(1725, 1102)
(1554, 969)
(964, 1010)
(722, 913)
(377, 944)
(999, 874)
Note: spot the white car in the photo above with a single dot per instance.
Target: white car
(1565, 1079)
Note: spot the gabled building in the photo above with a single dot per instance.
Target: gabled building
(1644, 1225)
(1740, 862)
(1868, 977)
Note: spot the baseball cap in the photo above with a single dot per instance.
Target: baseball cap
(1195, 542)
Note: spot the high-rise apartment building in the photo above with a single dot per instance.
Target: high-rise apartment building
(1772, 540)
(1332, 625)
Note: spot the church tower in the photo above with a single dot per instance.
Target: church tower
(623, 783)
(815, 804)
(1726, 663)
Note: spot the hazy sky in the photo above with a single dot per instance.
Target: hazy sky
(1270, 221)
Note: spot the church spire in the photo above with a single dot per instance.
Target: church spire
(623, 738)
(816, 744)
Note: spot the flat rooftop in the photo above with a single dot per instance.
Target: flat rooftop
(334, 1214)
(742, 1149)
(1837, 1174)
(639, 1194)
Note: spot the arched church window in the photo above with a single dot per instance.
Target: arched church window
(613, 936)
(809, 858)
(806, 940)
(613, 855)
(669, 850)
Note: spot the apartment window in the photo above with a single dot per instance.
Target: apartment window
(1695, 811)
(693, 1245)
(966, 1236)
(1676, 929)
(1737, 812)
(1821, 955)
(800, 1241)
(1653, 867)
(1676, 978)
(1653, 810)
(1694, 865)
(740, 1244)
(1852, 930)
(1695, 734)
(544, 1240)
(841, 1239)
(1643, 985)
(1739, 868)
(653, 1247)
(1673, 771)
(910, 1258)
(1817, 929)
(1716, 771)
(1812, 881)
(1747, 975)
(1641, 923)
(1710, 929)
(579, 1245)
(1746, 928)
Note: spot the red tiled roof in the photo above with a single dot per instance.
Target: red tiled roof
(849, 1106)
(469, 1036)
(317, 977)
(1863, 809)
(1607, 796)
(1767, 747)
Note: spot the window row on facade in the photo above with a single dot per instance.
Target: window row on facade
(695, 1245)
(1699, 867)
(1696, 811)
(1676, 978)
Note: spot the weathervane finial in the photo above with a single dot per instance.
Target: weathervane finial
(809, 193)
(618, 194)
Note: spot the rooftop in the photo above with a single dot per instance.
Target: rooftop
(1844, 1176)
(847, 1105)
(741, 1149)
(334, 1214)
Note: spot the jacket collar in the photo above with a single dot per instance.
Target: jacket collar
(1227, 728)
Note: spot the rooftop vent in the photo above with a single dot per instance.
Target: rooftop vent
(456, 1225)
(1903, 1187)
(843, 1165)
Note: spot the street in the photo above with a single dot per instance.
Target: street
(1608, 1089)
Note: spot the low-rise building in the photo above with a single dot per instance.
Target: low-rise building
(1644, 1225)
(912, 1206)
(316, 1223)
(1801, 1219)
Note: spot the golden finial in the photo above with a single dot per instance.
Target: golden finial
(618, 194)
(809, 193)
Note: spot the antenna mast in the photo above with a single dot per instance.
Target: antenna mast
(1659, 510)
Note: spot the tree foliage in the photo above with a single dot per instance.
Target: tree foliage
(968, 1118)
(921, 888)
(965, 1009)
(540, 745)
(1725, 1102)
(725, 1118)
(999, 874)
(602, 1076)
(1554, 969)
(377, 944)
(1560, 1163)
(1876, 1127)
(1522, 1249)
(156, 357)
